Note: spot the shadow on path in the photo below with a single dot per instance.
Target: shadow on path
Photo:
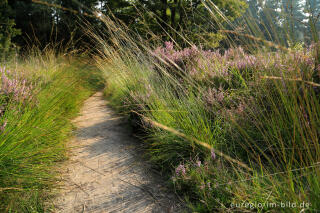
(106, 172)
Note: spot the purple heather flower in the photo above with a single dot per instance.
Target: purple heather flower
(213, 155)
(220, 96)
(180, 170)
(210, 96)
(3, 126)
(309, 61)
(12, 85)
(169, 45)
(196, 61)
(193, 72)
(198, 163)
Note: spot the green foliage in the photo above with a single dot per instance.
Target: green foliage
(33, 139)
(272, 125)
(259, 108)
(36, 23)
(7, 29)
(187, 18)
(48, 23)
(58, 21)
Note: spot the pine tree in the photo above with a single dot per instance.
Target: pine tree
(35, 21)
(191, 17)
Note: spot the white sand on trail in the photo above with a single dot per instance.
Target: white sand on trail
(105, 172)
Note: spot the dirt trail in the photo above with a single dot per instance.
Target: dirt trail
(105, 172)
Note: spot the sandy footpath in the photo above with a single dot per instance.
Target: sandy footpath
(105, 172)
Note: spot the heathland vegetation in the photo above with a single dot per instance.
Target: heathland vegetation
(39, 96)
(225, 96)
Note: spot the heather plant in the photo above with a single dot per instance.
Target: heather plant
(14, 94)
(270, 121)
(204, 177)
(257, 107)
(251, 113)
(197, 62)
(39, 96)
(15, 88)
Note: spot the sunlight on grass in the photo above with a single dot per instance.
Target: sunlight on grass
(40, 94)
(260, 106)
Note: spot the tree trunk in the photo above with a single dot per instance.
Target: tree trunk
(164, 12)
(173, 18)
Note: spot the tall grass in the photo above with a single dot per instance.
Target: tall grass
(35, 129)
(258, 106)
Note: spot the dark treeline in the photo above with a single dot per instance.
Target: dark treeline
(38, 22)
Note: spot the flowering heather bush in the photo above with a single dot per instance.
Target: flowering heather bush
(15, 88)
(205, 179)
(199, 63)
(180, 170)
(220, 98)
(229, 79)
(12, 89)
(180, 58)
